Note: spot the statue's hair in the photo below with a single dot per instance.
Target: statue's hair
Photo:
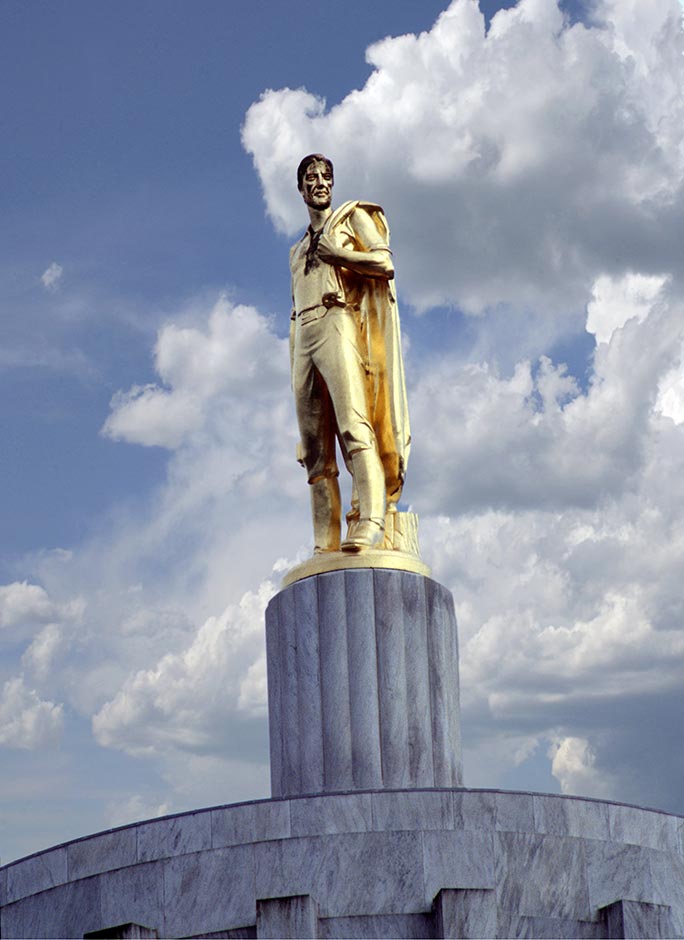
(307, 161)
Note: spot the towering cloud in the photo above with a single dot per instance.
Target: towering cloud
(516, 165)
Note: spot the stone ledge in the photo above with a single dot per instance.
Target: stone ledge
(442, 810)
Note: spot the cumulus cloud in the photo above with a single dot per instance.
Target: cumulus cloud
(185, 700)
(517, 165)
(617, 300)
(41, 653)
(534, 438)
(132, 808)
(21, 602)
(234, 363)
(26, 721)
(52, 277)
(574, 766)
(26, 609)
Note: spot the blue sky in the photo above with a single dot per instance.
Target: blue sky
(532, 176)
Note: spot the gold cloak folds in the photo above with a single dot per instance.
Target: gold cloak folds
(376, 302)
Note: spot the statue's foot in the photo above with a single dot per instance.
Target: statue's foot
(362, 535)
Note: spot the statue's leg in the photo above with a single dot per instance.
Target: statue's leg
(326, 511)
(316, 418)
(369, 480)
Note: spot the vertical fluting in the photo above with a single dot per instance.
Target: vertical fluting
(389, 635)
(332, 618)
(363, 683)
(444, 698)
(418, 709)
(309, 685)
(275, 706)
(363, 679)
(289, 695)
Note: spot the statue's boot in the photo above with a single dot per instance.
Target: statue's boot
(369, 483)
(326, 510)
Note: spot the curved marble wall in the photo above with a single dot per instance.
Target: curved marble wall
(408, 863)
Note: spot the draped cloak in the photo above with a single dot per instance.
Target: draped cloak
(376, 301)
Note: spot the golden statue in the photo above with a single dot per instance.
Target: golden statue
(347, 369)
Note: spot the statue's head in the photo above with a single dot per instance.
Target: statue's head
(315, 179)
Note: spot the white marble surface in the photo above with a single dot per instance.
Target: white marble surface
(571, 817)
(132, 895)
(362, 856)
(637, 919)
(617, 871)
(209, 891)
(308, 659)
(458, 859)
(363, 683)
(250, 822)
(37, 873)
(379, 926)
(365, 872)
(643, 827)
(293, 917)
(417, 809)
(469, 913)
(190, 832)
(536, 873)
(69, 910)
(318, 815)
(364, 708)
(105, 852)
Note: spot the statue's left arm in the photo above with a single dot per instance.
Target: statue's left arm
(368, 259)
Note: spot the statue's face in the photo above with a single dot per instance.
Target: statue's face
(317, 185)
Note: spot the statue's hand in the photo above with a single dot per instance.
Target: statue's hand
(328, 250)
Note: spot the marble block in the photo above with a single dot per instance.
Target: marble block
(465, 913)
(363, 684)
(625, 919)
(293, 917)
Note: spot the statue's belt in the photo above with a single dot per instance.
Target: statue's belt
(332, 299)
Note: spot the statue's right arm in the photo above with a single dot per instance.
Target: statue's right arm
(293, 314)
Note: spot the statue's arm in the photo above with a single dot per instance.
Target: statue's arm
(370, 258)
(293, 314)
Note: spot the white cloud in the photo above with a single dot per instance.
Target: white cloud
(534, 438)
(516, 166)
(21, 602)
(132, 808)
(26, 721)
(213, 376)
(671, 393)
(617, 300)
(41, 653)
(52, 277)
(574, 766)
(187, 698)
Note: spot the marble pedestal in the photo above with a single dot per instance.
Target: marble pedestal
(363, 683)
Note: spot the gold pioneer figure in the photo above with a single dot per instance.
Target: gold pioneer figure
(347, 369)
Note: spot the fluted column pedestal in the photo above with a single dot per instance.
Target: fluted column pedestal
(363, 683)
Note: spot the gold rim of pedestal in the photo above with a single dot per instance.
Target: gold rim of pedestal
(371, 558)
